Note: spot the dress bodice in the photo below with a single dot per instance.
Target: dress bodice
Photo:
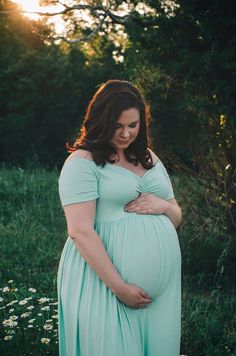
(118, 186)
(114, 186)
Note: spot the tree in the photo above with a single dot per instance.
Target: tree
(186, 67)
(45, 89)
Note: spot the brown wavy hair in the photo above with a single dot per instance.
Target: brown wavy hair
(99, 125)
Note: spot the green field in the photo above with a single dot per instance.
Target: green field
(33, 232)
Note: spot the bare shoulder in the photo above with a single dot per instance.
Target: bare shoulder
(154, 156)
(82, 154)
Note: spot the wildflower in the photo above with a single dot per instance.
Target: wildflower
(11, 303)
(43, 300)
(10, 281)
(22, 302)
(11, 310)
(13, 317)
(31, 320)
(30, 326)
(14, 289)
(29, 298)
(45, 308)
(8, 337)
(55, 316)
(44, 340)
(33, 290)
(30, 307)
(48, 327)
(24, 315)
(10, 323)
(1, 299)
(40, 314)
(49, 321)
(6, 289)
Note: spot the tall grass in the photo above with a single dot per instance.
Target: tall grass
(33, 232)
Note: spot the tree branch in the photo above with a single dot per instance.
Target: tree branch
(98, 11)
(81, 39)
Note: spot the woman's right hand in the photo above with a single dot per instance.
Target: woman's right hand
(133, 296)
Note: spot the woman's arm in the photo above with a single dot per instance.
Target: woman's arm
(80, 219)
(173, 212)
(151, 204)
(80, 226)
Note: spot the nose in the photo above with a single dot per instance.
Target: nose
(125, 133)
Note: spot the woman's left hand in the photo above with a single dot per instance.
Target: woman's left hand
(147, 204)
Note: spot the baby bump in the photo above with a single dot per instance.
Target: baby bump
(141, 261)
(136, 249)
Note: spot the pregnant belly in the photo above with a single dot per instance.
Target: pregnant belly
(143, 248)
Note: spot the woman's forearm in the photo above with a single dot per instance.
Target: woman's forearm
(174, 213)
(92, 249)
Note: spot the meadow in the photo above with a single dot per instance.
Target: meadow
(33, 232)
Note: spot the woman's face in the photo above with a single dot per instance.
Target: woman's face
(127, 128)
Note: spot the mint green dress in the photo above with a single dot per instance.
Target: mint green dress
(143, 248)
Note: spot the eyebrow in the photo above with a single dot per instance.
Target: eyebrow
(134, 122)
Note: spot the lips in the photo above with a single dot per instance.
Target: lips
(123, 142)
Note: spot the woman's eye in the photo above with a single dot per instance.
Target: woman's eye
(131, 126)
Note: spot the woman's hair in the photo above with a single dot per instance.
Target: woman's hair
(99, 125)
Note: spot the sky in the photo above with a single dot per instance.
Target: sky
(33, 5)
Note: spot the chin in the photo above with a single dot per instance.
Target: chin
(122, 145)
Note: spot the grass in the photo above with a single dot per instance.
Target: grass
(208, 321)
(29, 322)
(33, 232)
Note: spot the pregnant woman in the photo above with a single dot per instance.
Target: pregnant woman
(119, 276)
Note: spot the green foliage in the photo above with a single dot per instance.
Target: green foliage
(44, 90)
(185, 65)
(24, 219)
(28, 320)
(206, 244)
(186, 60)
(207, 324)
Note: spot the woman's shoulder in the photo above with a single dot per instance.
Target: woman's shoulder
(84, 156)
(80, 153)
(79, 163)
(154, 156)
(80, 158)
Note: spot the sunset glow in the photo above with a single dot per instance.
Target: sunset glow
(33, 6)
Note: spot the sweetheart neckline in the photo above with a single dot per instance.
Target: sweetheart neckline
(120, 167)
(129, 170)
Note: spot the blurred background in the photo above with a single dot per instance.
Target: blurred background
(182, 56)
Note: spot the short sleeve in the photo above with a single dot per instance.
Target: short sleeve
(169, 192)
(78, 181)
